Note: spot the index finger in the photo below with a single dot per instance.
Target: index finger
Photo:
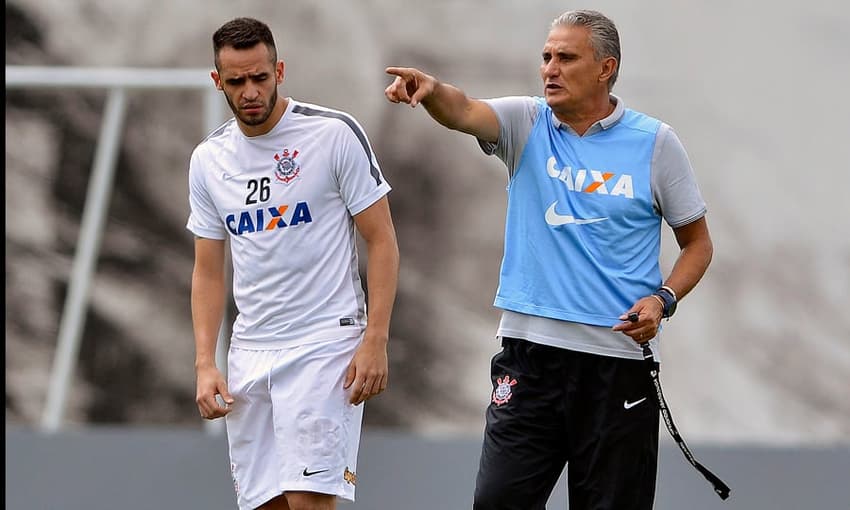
(357, 394)
(402, 72)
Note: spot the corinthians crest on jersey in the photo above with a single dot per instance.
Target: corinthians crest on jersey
(286, 169)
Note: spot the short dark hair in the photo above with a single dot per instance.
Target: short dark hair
(243, 33)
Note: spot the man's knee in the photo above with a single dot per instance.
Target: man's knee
(277, 503)
(486, 500)
(499, 496)
(310, 501)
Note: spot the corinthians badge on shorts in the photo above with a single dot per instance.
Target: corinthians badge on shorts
(287, 168)
(350, 476)
(503, 391)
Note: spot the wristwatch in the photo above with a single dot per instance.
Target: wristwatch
(669, 298)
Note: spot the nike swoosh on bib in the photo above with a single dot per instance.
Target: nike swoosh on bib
(555, 219)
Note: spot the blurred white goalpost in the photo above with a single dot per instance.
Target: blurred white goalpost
(117, 82)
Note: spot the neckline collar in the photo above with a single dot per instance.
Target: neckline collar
(599, 125)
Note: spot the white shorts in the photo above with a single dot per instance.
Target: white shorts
(292, 427)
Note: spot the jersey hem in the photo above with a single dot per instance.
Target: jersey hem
(273, 344)
(555, 313)
(578, 346)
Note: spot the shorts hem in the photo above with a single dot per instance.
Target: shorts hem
(339, 491)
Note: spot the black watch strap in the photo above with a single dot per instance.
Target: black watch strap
(669, 301)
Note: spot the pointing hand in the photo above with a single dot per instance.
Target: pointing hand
(410, 86)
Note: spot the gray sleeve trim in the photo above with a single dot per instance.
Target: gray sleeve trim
(516, 115)
(361, 136)
(676, 194)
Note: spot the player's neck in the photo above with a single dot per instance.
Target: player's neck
(584, 115)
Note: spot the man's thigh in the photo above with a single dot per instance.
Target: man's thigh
(293, 429)
(614, 444)
(525, 438)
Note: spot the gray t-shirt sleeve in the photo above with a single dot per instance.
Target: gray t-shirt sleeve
(516, 115)
(675, 190)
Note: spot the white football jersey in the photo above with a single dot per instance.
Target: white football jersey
(285, 200)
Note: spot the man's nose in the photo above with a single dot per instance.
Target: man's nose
(251, 92)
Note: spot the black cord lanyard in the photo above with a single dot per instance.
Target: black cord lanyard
(720, 488)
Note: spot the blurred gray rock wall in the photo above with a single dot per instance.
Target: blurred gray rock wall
(759, 352)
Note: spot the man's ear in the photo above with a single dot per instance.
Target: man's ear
(279, 69)
(216, 78)
(609, 65)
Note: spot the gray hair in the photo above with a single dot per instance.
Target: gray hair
(604, 38)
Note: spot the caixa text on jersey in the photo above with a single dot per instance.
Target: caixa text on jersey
(268, 218)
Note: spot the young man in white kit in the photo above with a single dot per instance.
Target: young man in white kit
(287, 183)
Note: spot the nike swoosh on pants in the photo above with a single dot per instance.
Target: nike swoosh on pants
(629, 405)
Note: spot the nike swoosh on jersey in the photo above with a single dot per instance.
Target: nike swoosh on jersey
(555, 219)
(311, 473)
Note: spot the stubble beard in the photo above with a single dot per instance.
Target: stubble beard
(254, 120)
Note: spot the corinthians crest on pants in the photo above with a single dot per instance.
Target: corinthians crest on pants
(287, 168)
(503, 391)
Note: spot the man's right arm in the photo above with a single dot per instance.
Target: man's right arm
(207, 312)
(446, 103)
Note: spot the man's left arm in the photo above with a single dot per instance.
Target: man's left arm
(680, 200)
(696, 250)
(367, 374)
(677, 195)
